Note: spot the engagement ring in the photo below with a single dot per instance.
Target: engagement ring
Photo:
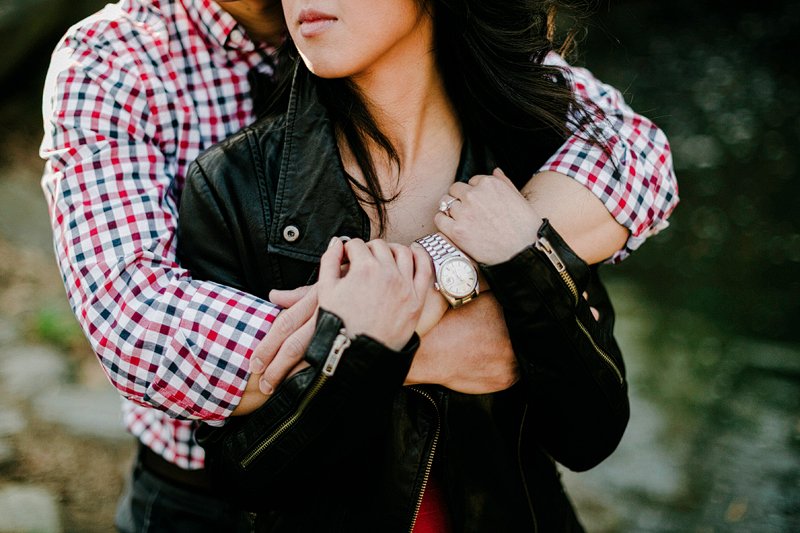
(444, 206)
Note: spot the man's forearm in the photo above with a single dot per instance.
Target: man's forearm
(468, 351)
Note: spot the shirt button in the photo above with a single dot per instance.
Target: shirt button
(291, 233)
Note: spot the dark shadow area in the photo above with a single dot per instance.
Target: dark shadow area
(721, 78)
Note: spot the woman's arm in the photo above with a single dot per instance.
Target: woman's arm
(570, 363)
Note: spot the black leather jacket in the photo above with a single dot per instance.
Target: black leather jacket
(355, 453)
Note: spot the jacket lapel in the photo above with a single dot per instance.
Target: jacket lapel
(313, 201)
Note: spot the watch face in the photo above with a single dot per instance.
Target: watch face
(458, 277)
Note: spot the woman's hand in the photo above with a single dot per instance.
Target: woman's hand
(383, 291)
(488, 219)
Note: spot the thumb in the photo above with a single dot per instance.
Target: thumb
(498, 173)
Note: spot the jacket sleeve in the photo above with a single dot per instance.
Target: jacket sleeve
(571, 366)
(316, 427)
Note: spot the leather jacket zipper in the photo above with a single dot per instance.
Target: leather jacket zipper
(544, 246)
(340, 344)
(429, 464)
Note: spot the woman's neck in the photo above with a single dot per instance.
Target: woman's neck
(405, 94)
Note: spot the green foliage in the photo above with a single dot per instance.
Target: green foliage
(56, 326)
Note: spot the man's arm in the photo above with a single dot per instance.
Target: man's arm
(579, 216)
(164, 339)
(636, 183)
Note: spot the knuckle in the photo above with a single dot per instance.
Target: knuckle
(284, 324)
(459, 232)
(293, 348)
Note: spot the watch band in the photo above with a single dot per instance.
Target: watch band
(437, 246)
(441, 252)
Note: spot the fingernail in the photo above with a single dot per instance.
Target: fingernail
(265, 387)
(257, 366)
(333, 240)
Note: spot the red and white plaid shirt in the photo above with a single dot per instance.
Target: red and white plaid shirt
(134, 94)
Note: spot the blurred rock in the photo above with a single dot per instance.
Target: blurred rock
(24, 221)
(94, 413)
(7, 453)
(29, 370)
(8, 333)
(28, 509)
(11, 421)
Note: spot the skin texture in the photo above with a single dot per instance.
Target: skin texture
(355, 38)
(384, 46)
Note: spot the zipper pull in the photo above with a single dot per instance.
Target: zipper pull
(543, 245)
(340, 344)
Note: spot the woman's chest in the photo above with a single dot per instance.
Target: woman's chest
(410, 214)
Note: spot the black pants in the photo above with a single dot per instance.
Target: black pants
(151, 504)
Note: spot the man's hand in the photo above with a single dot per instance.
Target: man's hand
(468, 351)
(280, 353)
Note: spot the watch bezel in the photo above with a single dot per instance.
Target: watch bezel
(446, 261)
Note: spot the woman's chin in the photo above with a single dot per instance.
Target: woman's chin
(323, 68)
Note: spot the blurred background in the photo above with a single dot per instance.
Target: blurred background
(708, 309)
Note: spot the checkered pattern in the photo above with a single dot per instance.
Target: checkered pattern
(636, 183)
(133, 95)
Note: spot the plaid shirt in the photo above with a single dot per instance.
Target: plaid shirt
(134, 94)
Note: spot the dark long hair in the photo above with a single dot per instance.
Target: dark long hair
(490, 55)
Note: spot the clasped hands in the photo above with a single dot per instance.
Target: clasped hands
(386, 290)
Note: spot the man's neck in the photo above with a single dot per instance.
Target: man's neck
(262, 19)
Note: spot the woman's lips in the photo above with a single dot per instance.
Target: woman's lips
(314, 22)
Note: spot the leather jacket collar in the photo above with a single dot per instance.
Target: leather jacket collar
(313, 193)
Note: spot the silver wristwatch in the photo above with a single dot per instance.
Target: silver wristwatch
(456, 276)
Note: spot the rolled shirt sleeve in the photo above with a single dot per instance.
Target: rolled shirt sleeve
(165, 340)
(633, 176)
